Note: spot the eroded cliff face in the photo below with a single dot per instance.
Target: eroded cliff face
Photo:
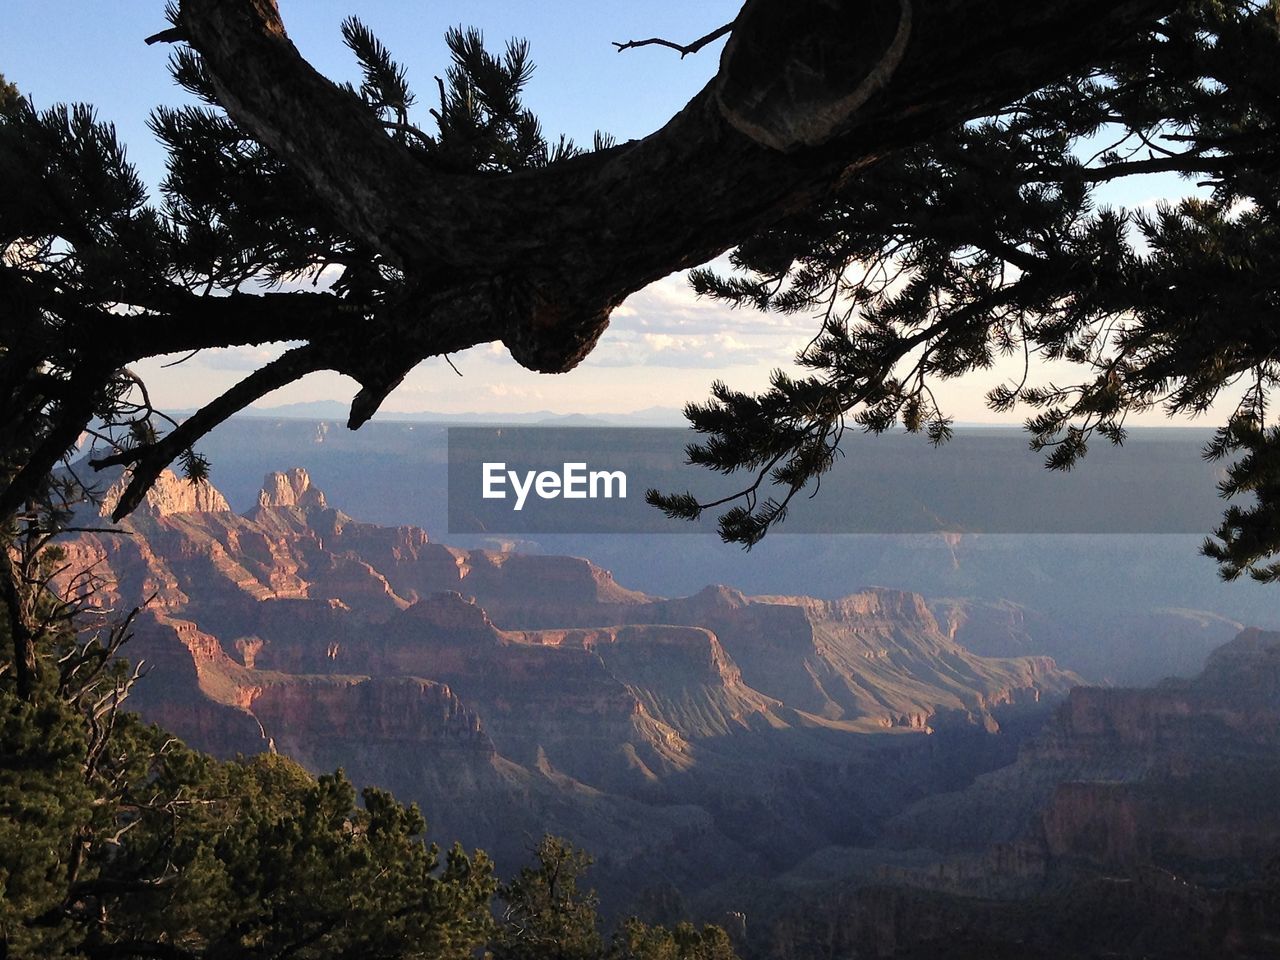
(167, 496)
(1147, 815)
(512, 694)
(1187, 759)
(877, 657)
(290, 488)
(1134, 647)
(1200, 768)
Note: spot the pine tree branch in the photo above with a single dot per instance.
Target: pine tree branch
(165, 318)
(538, 259)
(377, 352)
(147, 461)
(181, 321)
(845, 397)
(683, 49)
(172, 35)
(1189, 163)
(26, 664)
(572, 240)
(69, 417)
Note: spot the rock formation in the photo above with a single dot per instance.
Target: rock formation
(692, 739)
(1140, 822)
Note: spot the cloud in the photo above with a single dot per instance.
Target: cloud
(507, 391)
(312, 283)
(702, 351)
(670, 306)
(236, 359)
(667, 325)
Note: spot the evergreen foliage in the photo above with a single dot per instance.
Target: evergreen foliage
(548, 916)
(989, 242)
(639, 941)
(8, 95)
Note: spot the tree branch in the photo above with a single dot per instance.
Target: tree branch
(683, 49)
(71, 414)
(147, 461)
(183, 321)
(26, 664)
(377, 187)
(1178, 163)
(169, 318)
(566, 244)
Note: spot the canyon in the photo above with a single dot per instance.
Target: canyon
(853, 776)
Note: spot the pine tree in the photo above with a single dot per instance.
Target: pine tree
(639, 941)
(116, 841)
(547, 917)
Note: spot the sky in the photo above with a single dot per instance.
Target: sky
(664, 346)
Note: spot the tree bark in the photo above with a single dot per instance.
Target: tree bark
(26, 665)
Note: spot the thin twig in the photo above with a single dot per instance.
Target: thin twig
(683, 49)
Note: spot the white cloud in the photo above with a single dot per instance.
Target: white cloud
(670, 305)
(242, 359)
